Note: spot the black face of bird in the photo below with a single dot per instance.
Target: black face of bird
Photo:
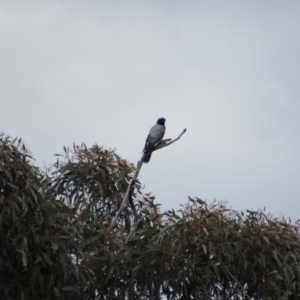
(161, 121)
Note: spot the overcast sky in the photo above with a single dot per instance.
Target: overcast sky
(104, 71)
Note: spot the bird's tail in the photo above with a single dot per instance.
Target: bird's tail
(146, 157)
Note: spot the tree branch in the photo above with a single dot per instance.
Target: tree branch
(168, 142)
(130, 189)
(239, 284)
(128, 192)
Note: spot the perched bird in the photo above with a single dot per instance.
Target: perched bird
(155, 136)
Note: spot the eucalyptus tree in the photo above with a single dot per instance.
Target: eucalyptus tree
(69, 232)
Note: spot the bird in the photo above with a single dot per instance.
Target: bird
(155, 136)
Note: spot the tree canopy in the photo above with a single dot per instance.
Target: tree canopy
(56, 241)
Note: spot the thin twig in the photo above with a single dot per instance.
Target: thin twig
(168, 142)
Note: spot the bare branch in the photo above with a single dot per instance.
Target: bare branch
(168, 142)
(128, 192)
(162, 144)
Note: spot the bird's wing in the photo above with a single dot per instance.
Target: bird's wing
(156, 134)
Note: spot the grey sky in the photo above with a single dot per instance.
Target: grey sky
(103, 72)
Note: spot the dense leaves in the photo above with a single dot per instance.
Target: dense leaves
(35, 238)
(55, 241)
(212, 251)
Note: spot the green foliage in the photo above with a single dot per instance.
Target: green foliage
(91, 180)
(34, 236)
(55, 242)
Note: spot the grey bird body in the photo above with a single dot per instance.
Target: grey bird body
(155, 136)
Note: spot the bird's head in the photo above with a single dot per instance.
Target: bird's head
(161, 121)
